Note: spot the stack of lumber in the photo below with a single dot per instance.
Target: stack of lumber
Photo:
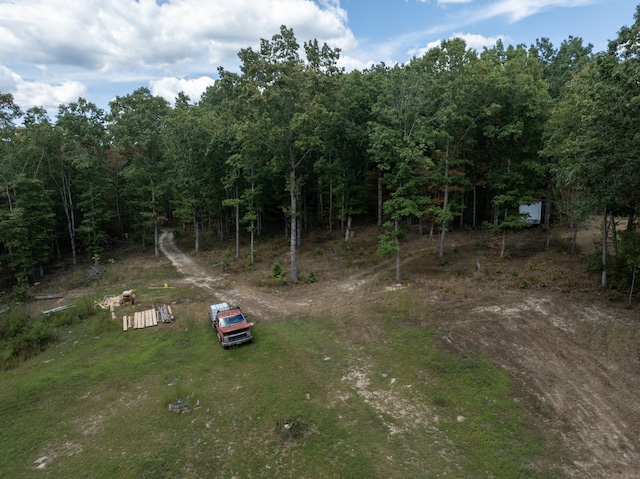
(145, 319)
(148, 318)
(165, 315)
(140, 319)
(108, 302)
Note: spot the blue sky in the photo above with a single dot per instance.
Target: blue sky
(55, 51)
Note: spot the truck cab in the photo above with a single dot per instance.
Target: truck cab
(230, 324)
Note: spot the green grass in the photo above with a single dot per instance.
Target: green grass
(490, 434)
(306, 399)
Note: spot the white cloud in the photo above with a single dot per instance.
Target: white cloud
(27, 94)
(479, 42)
(108, 35)
(473, 41)
(48, 96)
(8, 79)
(173, 43)
(64, 48)
(169, 87)
(479, 11)
(516, 10)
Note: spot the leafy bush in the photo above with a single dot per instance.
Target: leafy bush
(19, 294)
(13, 324)
(23, 340)
(276, 271)
(23, 337)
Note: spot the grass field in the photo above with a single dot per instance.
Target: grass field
(306, 399)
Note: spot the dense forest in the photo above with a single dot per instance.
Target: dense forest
(453, 139)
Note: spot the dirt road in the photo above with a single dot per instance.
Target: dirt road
(577, 365)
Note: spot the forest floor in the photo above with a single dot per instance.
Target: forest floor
(571, 347)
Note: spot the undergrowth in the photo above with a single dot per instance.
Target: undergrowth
(23, 335)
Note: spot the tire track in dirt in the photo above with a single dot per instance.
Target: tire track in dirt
(588, 401)
(196, 275)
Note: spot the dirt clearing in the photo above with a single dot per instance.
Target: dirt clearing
(574, 354)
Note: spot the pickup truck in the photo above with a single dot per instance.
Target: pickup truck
(230, 324)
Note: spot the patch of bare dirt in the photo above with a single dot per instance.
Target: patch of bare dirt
(583, 396)
(575, 355)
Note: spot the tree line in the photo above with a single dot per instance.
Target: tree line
(453, 139)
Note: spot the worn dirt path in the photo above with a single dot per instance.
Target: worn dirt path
(578, 366)
(586, 396)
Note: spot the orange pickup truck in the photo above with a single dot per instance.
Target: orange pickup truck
(230, 324)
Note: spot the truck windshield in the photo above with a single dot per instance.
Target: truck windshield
(231, 320)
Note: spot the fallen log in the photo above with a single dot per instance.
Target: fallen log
(55, 310)
(42, 297)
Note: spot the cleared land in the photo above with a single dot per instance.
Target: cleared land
(569, 353)
(576, 356)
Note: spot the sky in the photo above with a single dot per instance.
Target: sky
(53, 52)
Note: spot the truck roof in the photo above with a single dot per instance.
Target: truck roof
(232, 319)
(229, 312)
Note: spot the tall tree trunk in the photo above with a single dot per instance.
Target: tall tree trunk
(320, 200)
(503, 246)
(69, 212)
(259, 223)
(347, 234)
(294, 219)
(252, 238)
(64, 187)
(547, 209)
(119, 224)
(301, 219)
(633, 280)
(605, 233)
(397, 240)
(155, 220)
(6, 188)
(220, 228)
(445, 202)
(475, 201)
(156, 238)
(196, 230)
(614, 234)
(462, 205)
(237, 211)
(342, 210)
(331, 205)
(379, 199)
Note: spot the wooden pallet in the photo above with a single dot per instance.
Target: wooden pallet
(140, 320)
(148, 318)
